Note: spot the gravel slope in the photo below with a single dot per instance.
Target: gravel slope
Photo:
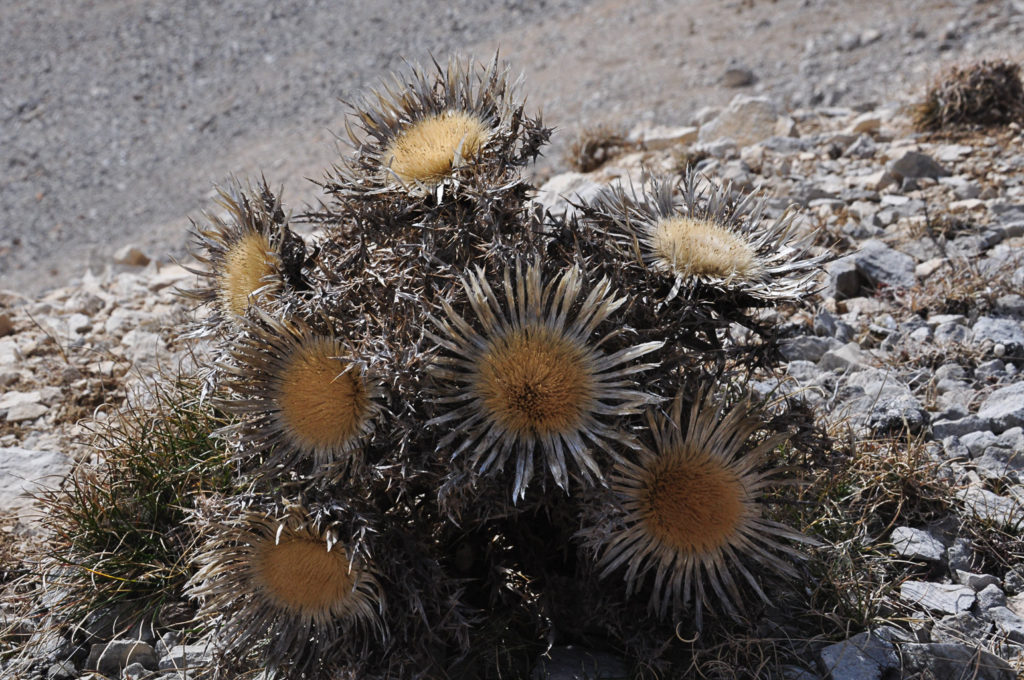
(116, 118)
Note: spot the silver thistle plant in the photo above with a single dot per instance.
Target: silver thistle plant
(452, 360)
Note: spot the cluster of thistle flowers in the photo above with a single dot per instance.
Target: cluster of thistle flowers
(450, 401)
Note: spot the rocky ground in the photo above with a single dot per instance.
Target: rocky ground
(917, 338)
(116, 118)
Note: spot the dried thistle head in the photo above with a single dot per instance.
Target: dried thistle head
(303, 400)
(461, 126)
(697, 234)
(529, 374)
(250, 258)
(428, 150)
(986, 93)
(281, 584)
(596, 145)
(691, 512)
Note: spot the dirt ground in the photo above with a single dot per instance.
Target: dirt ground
(119, 117)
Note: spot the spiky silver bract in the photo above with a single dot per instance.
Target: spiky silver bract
(303, 401)
(281, 583)
(462, 125)
(249, 258)
(529, 375)
(698, 233)
(691, 512)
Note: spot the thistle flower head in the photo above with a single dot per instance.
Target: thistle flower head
(250, 258)
(283, 584)
(530, 375)
(460, 125)
(695, 232)
(427, 150)
(300, 396)
(691, 512)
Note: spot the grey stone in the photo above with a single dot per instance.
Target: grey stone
(1007, 623)
(804, 371)
(881, 266)
(117, 654)
(62, 670)
(947, 598)
(914, 164)
(977, 442)
(143, 346)
(79, 323)
(939, 319)
(23, 412)
(1004, 407)
(136, 671)
(561, 191)
(182, 657)
(23, 472)
(917, 544)
(1010, 305)
(975, 581)
(862, 657)
(893, 415)
(805, 347)
(921, 335)
(962, 627)
(952, 447)
(952, 412)
(1012, 439)
(989, 369)
(941, 429)
(991, 507)
(946, 386)
(1013, 581)
(958, 556)
(951, 333)
(999, 461)
(576, 663)
(844, 279)
(14, 398)
(849, 357)
(746, 121)
(826, 324)
(952, 660)
(952, 371)
(991, 596)
(1005, 332)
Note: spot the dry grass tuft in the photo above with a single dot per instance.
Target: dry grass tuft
(965, 287)
(119, 536)
(984, 94)
(595, 146)
(874, 487)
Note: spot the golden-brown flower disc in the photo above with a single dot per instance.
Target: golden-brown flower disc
(246, 263)
(693, 505)
(701, 248)
(427, 151)
(301, 575)
(321, 403)
(535, 381)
